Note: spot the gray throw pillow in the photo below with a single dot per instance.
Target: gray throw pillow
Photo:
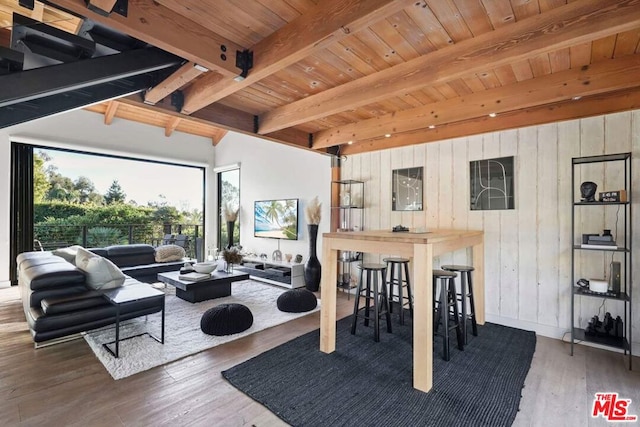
(101, 273)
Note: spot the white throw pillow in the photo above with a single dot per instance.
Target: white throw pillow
(101, 273)
(166, 253)
(69, 254)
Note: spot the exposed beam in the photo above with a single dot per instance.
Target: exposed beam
(175, 81)
(159, 26)
(568, 110)
(201, 89)
(171, 125)
(104, 6)
(600, 77)
(562, 27)
(217, 136)
(109, 114)
(327, 23)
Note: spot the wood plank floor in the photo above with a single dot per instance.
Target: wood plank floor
(65, 384)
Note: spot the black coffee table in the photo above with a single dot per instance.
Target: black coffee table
(219, 285)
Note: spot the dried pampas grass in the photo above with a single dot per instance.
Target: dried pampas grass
(313, 212)
(229, 213)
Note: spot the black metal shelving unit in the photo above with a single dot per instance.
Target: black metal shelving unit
(578, 334)
(350, 211)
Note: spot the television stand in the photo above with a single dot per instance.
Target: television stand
(280, 273)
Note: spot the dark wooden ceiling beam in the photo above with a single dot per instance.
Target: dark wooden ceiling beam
(567, 110)
(600, 77)
(562, 27)
(159, 26)
(327, 23)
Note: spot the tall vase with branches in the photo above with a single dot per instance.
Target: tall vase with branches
(312, 268)
(230, 215)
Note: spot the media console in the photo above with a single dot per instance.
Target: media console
(281, 273)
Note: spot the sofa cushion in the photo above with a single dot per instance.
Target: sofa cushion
(166, 253)
(101, 273)
(79, 301)
(129, 255)
(50, 274)
(69, 253)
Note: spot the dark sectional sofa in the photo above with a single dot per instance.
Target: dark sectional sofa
(57, 302)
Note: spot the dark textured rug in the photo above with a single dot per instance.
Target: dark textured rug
(367, 383)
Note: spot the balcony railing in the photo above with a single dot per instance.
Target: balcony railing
(49, 237)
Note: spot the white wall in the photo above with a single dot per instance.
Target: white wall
(86, 131)
(270, 170)
(527, 250)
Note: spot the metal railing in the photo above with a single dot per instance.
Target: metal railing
(49, 237)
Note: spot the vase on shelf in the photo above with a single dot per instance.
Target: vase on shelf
(229, 267)
(230, 226)
(312, 268)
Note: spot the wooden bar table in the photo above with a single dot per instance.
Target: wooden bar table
(420, 247)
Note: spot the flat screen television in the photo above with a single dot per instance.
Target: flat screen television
(276, 219)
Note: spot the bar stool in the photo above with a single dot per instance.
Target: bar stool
(398, 275)
(447, 301)
(378, 295)
(466, 291)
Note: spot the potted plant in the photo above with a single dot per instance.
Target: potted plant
(231, 256)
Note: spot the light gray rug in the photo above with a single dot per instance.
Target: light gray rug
(183, 336)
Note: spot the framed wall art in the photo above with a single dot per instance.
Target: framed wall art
(491, 184)
(407, 189)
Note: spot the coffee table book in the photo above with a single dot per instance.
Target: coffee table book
(194, 276)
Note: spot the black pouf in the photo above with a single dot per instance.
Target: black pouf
(297, 301)
(226, 319)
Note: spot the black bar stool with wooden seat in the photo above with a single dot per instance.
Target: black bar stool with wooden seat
(398, 275)
(374, 290)
(466, 291)
(447, 302)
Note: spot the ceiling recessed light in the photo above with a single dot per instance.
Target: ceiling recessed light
(350, 142)
(387, 135)
(575, 98)
(492, 114)
(432, 126)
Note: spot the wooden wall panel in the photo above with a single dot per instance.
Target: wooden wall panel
(527, 250)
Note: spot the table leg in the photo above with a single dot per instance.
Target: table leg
(422, 317)
(478, 281)
(117, 353)
(328, 289)
(162, 333)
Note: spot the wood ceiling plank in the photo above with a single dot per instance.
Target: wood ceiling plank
(388, 32)
(380, 48)
(547, 5)
(499, 12)
(604, 76)
(153, 23)
(411, 33)
(109, 114)
(327, 23)
(525, 8)
(429, 25)
(448, 15)
(474, 16)
(560, 60)
(489, 79)
(568, 110)
(505, 75)
(626, 43)
(175, 81)
(602, 49)
(580, 55)
(540, 65)
(530, 37)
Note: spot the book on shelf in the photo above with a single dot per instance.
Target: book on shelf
(598, 246)
(194, 276)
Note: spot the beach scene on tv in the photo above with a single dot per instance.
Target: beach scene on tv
(276, 219)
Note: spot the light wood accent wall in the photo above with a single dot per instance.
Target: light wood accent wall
(527, 250)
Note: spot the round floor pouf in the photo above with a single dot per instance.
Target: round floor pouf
(226, 319)
(297, 301)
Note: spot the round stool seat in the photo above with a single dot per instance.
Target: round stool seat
(226, 319)
(371, 266)
(458, 267)
(297, 301)
(444, 274)
(396, 260)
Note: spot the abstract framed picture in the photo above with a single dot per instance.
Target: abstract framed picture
(492, 184)
(407, 189)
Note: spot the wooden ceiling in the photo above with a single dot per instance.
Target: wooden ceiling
(350, 76)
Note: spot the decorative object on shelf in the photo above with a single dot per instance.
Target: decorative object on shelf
(288, 257)
(231, 256)
(407, 189)
(276, 255)
(298, 258)
(263, 256)
(491, 184)
(230, 215)
(345, 198)
(588, 191)
(312, 268)
(613, 196)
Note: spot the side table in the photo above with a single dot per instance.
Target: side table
(124, 295)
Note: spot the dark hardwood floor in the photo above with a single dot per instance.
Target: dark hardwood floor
(66, 385)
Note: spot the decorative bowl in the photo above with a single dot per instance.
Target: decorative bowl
(205, 267)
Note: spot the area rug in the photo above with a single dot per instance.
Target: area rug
(369, 383)
(183, 336)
